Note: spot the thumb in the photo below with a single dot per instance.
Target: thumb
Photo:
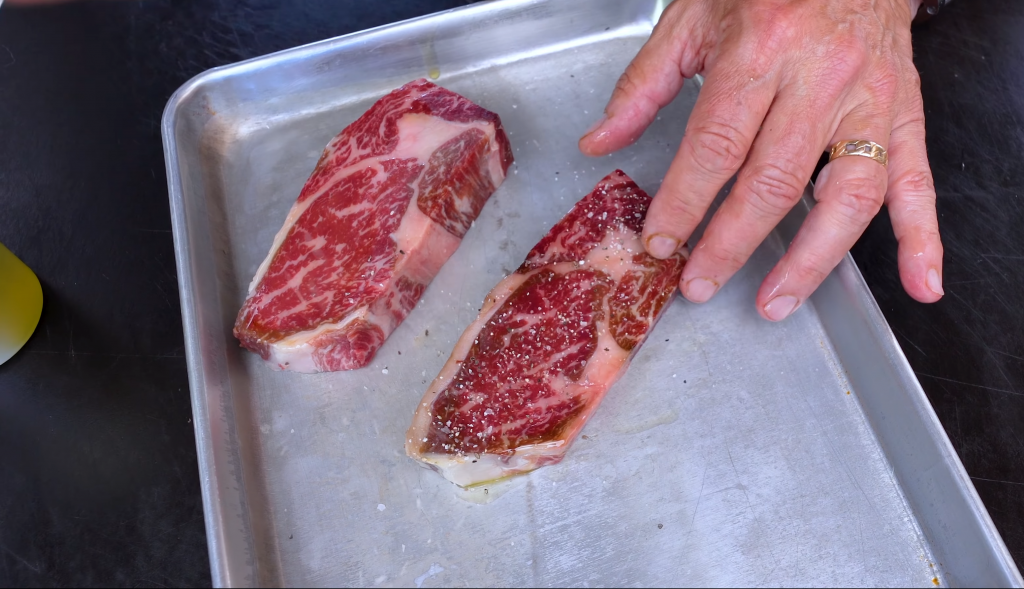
(654, 77)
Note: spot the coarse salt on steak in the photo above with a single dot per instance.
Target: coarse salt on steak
(549, 342)
(387, 204)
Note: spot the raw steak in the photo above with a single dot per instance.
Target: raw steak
(550, 340)
(388, 203)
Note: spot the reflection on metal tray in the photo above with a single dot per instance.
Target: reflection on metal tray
(734, 452)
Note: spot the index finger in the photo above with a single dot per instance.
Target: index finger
(650, 82)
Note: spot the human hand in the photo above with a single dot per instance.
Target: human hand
(784, 80)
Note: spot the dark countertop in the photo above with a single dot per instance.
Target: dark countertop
(98, 475)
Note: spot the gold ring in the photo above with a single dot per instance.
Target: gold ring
(859, 147)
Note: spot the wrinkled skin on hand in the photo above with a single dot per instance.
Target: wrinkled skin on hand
(784, 80)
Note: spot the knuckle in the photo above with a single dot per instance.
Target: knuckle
(844, 62)
(860, 198)
(915, 217)
(779, 25)
(756, 62)
(813, 272)
(722, 255)
(675, 209)
(911, 79)
(851, 59)
(917, 183)
(631, 87)
(774, 188)
(717, 148)
(771, 35)
(626, 83)
(929, 232)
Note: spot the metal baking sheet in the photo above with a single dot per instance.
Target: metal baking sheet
(735, 452)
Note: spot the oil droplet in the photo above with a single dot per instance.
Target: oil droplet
(430, 59)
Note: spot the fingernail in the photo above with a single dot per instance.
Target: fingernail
(596, 125)
(934, 282)
(662, 246)
(700, 290)
(781, 307)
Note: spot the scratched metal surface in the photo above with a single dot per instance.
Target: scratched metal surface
(734, 452)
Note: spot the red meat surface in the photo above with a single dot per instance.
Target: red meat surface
(387, 204)
(549, 342)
